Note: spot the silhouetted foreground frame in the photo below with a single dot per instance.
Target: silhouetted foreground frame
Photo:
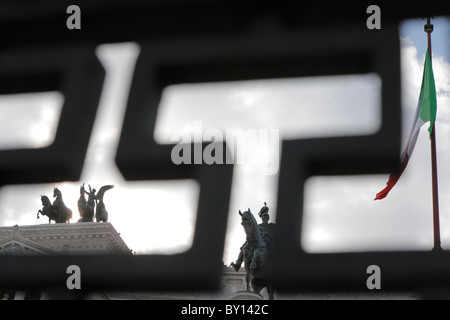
(206, 41)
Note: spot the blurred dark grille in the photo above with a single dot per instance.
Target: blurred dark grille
(200, 41)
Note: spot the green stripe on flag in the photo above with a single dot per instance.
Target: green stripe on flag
(428, 103)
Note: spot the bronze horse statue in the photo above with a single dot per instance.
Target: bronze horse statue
(86, 208)
(48, 210)
(65, 214)
(255, 255)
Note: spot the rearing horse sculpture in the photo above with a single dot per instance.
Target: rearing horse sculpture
(48, 210)
(65, 214)
(86, 208)
(255, 256)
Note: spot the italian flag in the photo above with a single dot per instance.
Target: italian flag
(426, 111)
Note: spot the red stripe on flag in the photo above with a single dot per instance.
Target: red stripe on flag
(393, 178)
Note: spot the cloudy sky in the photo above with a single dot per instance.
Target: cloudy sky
(340, 214)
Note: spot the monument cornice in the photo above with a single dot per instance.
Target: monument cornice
(69, 238)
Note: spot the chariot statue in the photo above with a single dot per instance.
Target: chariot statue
(90, 209)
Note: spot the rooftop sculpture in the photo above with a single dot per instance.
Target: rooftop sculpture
(57, 211)
(60, 213)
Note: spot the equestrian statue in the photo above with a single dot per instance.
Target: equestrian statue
(255, 253)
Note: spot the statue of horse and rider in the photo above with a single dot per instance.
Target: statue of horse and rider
(60, 213)
(255, 253)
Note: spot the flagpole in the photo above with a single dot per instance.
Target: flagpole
(436, 229)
